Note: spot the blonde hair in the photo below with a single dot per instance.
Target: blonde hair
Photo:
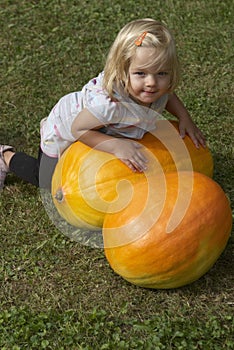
(122, 51)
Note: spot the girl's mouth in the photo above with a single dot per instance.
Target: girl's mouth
(149, 92)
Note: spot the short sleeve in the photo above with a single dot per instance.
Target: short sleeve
(160, 104)
(99, 103)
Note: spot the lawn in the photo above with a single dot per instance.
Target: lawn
(59, 294)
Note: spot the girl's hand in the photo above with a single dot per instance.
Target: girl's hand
(187, 126)
(85, 128)
(129, 153)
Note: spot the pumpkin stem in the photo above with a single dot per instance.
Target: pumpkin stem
(59, 195)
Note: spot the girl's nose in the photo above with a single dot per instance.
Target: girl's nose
(151, 80)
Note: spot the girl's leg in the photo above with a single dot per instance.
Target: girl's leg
(46, 169)
(37, 171)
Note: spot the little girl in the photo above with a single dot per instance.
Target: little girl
(113, 109)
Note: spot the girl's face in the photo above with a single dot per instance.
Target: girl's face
(147, 85)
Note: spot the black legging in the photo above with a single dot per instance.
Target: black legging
(37, 171)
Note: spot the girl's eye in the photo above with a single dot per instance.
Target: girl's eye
(162, 73)
(140, 73)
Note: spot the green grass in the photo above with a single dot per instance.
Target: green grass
(58, 294)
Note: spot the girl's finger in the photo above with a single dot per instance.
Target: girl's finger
(182, 133)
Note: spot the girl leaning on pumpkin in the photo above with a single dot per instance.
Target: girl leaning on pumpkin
(119, 105)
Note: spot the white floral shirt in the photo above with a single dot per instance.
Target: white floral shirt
(124, 118)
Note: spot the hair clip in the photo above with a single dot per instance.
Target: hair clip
(140, 39)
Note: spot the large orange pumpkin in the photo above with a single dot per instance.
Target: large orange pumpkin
(86, 181)
(142, 248)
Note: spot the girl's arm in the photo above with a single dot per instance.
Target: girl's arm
(186, 125)
(85, 129)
